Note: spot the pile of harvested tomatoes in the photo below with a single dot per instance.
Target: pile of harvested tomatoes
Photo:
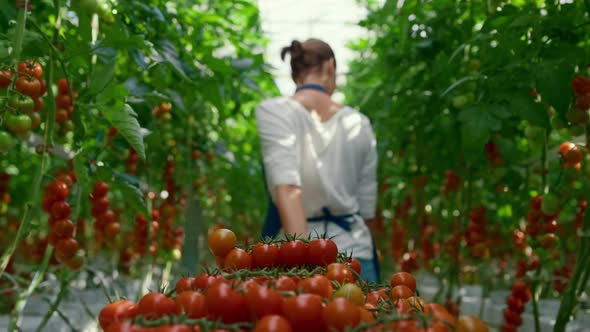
(283, 285)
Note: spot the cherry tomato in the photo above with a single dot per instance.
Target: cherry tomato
(237, 259)
(273, 323)
(515, 304)
(293, 253)
(155, 305)
(30, 68)
(124, 326)
(317, 284)
(64, 228)
(264, 255)
(304, 311)
(21, 103)
(6, 142)
(581, 85)
(35, 120)
(5, 78)
(263, 301)
(116, 311)
(512, 317)
(583, 102)
(341, 314)
(375, 297)
(59, 190)
(63, 86)
(112, 230)
(221, 241)
(63, 101)
(61, 115)
(226, 304)
(351, 292)
(60, 210)
(401, 292)
(184, 284)
(99, 206)
(405, 279)
(100, 189)
(355, 265)
(440, 316)
(521, 291)
(28, 86)
(285, 284)
(66, 247)
(191, 303)
(340, 273)
(322, 252)
(18, 124)
(204, 281)
(75, 262)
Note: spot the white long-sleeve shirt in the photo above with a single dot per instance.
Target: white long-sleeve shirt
(334, 162)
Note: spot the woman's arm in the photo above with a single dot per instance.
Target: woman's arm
(290, 207)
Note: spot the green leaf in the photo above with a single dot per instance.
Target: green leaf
(125, 121)
(474, 135)
(528, 110)
(82, 178)
(553, 83)
(103, 76)
(459, 82)
(132, 195)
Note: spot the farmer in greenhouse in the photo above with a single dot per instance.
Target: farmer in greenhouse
(319, 159)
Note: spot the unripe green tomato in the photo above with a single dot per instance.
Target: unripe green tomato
(6, 141)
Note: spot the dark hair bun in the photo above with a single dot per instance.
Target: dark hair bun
(306, 56)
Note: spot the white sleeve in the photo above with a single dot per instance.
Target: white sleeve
(368, 180)
(279, 146)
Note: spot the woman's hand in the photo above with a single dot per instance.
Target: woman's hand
(290, 207)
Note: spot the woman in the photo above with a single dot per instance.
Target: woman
(319, 159)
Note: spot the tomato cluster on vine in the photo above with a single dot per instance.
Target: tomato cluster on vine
(142, 230)
(64, 106)
(106, 226)
(132, 161)
(264, 290)
(516, 301)
(25, 102)
(68, 251)
(476, 234)
(452, 183)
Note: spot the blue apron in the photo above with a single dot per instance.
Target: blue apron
(272, 225)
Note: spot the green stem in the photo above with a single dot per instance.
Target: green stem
(569, 299)
(21, 23)
(544, 163)
(22, 299)
(63, 288)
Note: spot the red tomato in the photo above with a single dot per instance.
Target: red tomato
(5, 78)
(156, 305)
(226, 304)
(507, 327)
(512, 317)
(237, 259)
(64, 228)
(191, 303)
(304, 311)
(28, 86)
(341, 314)
(366, 316)
(285, 284)
(63, 86)
(66, 247)
(340, 273)
(60, 210)
(100, 189)
(376, 296)
(264, 255)
(441, 318)
(405, 279)
(293, 253)
(401, 292)
(59, 190)
(317, 284)
(221, 241)
(581, 85)
(273, 323)
(115, 312)
(515, 304)
(204, 281)
(124, 326)
(30, 68)
(583, 102)
(355, 265)
(322, 252)
(63, 101)
(263, 301)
